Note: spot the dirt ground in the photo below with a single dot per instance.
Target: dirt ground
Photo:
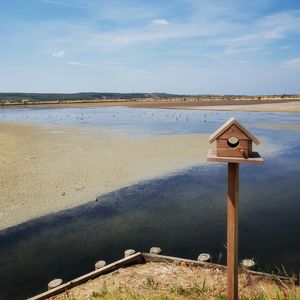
(241, 104)
(170, 281)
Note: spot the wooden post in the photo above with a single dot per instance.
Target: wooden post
(234, 146)
(232, 231)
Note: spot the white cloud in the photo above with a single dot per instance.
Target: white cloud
(67, 3)
(159, 22)
(50, 2)
(77, 63)
(59, 54)
(284, 47)
(234, 37)
(293, 63)
(262, 33)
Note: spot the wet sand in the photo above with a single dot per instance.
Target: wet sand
(47, 168)
(290, 127)
(266, 107)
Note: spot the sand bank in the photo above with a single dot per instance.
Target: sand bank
(46, 169)
(243, 104)
(282, 126)
(269, 107)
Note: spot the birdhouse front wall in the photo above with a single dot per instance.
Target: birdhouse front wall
(242, 148)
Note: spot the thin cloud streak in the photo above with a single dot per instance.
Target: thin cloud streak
(145, 37)
(159, 22)
(293, 63)
(77, 63)
(59, 54)
(220, 32)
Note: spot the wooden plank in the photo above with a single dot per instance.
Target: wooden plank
(127, 261)
(234, 131)
(142, 258)
(253, 159)
(222, 143)
(148, 257)
(220, 130)
(247, 132)
(227, 125)
(223, 149)
(232, 231)
(231, 152)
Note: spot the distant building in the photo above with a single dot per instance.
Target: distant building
(25, 101)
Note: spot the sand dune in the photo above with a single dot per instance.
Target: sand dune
(47, 168)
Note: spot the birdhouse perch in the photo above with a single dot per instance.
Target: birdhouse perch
(234, 144)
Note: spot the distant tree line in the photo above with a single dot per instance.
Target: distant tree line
(40, 97)
(90, 96)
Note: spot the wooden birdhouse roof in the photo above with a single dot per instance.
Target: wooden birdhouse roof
(227, 125)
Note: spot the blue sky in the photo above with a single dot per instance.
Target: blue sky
(175, 46)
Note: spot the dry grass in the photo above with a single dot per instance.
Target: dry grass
(153, 281)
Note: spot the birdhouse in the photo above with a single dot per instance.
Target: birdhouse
(233, 144)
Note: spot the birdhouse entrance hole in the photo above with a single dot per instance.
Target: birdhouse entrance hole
(233, 142)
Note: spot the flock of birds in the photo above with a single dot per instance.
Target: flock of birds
(108, 116)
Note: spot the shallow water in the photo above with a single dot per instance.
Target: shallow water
(143, 122)
(184, 213)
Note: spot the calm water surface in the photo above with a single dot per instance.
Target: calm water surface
(184, 213)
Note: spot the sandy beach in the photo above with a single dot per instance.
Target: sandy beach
(264, 107)
(46, 168)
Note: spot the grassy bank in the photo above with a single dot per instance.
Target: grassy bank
(154, 281)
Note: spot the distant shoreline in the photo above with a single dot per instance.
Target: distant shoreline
(271, 104)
